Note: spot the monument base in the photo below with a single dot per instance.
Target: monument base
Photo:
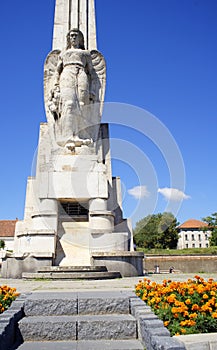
(129, 264)
(14, 265)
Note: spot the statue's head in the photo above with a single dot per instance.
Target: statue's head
(79, 36)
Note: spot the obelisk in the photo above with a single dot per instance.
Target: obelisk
(74, 14)
(73, 209)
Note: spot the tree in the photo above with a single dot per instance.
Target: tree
(212, 226)
(2, 244)
(157, 231)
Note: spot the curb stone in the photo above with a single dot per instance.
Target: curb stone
(9, 332)
(151, 330)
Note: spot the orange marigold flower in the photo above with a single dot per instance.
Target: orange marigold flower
(214, 315)
(183, 330)
(171, 298)
(195, 307)
(188, 301)
(166, 323)
(193, 315)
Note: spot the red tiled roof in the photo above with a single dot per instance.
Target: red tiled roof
(192, 223)
(7, 228)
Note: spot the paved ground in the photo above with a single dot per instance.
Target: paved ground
(127, 283)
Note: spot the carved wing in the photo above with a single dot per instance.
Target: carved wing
(99, 81)
(49, 70)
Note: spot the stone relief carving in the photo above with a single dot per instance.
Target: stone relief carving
(74, 88)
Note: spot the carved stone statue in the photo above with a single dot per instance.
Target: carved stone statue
(74, 87)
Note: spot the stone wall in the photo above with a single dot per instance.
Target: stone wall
(182, 263)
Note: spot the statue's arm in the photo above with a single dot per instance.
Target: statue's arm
(92, 75)
(58, 71)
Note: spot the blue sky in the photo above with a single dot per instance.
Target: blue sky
(161, 58)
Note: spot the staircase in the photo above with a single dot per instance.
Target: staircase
(81, 321)
(71, 273)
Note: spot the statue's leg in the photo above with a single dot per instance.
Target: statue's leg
(83, 88)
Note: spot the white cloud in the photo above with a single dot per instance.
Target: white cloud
(139, 192)
(173, 194)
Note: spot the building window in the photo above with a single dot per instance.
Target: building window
(74, 210)
(186, 246)
(200, 245)
(186, 237)
(193, 245)
(206, 236)
(207, 245)
(199, 237)
(192, 237)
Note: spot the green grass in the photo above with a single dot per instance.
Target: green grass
(189, 251)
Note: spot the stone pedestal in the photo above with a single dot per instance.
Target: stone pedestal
(72, 209)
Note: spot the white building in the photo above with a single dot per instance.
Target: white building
(192, 235)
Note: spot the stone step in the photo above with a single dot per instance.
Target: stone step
(72, 269)
(67, 328)
(72, 303)
(84, 345)
(71, 275)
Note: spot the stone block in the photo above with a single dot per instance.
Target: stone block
(150, 333)
(51, 304)
(135, 308)
(166, 343)
(146, 328)
(48, 328)
(102, 303)
(106, 327)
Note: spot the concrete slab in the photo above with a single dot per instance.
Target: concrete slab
(84, 345)
(110, 345)
(58, 345)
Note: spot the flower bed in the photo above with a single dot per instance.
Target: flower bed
(185, 307)
(7, 295)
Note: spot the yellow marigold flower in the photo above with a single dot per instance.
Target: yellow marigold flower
(183, 330)
(193, 315)
(166, 323)
(212, 293)
(205, 296)
(214, 314)
(174, 310)
(188, 301)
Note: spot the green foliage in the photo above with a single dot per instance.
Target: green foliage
(2, 244)
(212, 226)
(185, 251)
(7, 295)
(157, 231)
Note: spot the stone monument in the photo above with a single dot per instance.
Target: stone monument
(73, 210)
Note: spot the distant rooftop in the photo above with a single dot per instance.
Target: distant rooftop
(7, 228)
(192, 223)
